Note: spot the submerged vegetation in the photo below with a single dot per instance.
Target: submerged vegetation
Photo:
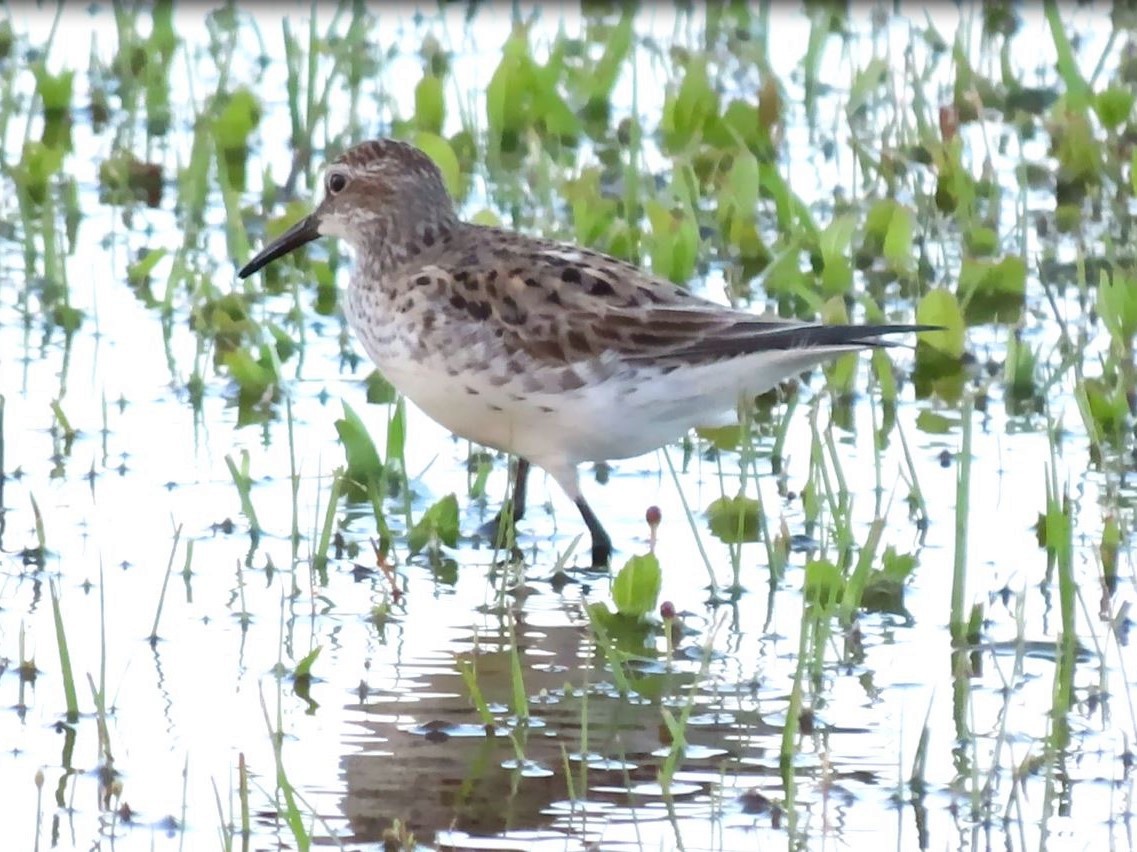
(954, 520)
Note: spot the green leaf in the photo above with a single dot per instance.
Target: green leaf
(1117, 304)
(981, 240)
(507, 95)
(162, 39)
(67, 317)
(54, 89)
(138, 272)
(282, 342)
(824, 584)
(397, 434)
(635, 590)
(1078, 151)
(617, 46)
(939, 307)
(235, 121)
(935, 424)
(439, 150)
(304, 667)
(868, 80)
(1107, 406)
(883, 593)
(1019, 369)
(363, 464)
(888, 234)
(989, 278)
(834, 242)
(1113, 106)
(38, 163)
(674, 240)
(379, 390)
(734, 519)
(1078, 91)
(252, 377)
(743, 183)
(687, 111)
(897, 248)
(899, 566)
(430, 104)
(438, 523)
(727, 437)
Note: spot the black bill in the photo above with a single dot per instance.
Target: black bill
(303, 232)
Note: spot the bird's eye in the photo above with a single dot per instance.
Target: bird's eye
(336, 182)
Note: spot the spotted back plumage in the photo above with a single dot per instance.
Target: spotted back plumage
(550, 303)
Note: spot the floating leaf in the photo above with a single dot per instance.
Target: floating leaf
(438, 523)
(727, 437)
(734, 519)
(617, 632)
(935, 424)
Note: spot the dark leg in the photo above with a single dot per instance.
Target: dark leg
(516, 506)
(520, 479)
(601, 544)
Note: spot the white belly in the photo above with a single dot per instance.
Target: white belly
(621, 410)
(594, 423)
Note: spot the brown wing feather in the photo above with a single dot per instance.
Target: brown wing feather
(560, 304)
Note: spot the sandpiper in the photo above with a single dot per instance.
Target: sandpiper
(546, 350)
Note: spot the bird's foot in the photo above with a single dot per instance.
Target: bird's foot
(601, 554)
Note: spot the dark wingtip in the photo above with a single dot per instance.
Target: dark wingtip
(871, 335)
(792, 337)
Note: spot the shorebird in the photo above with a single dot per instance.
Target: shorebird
(554, 353)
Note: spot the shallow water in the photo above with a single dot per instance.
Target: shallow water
(387, 730)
